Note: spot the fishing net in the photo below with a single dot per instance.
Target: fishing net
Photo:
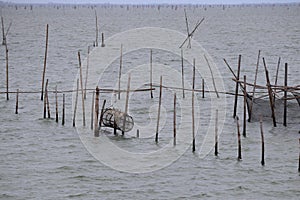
(114, 118)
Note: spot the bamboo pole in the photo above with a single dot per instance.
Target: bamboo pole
(45, 61)
(212, 76)
(254, 87)
(87, 70)
(174, 121)
(97, 29)
(245, 106)
(158, 113)
(126, 103)
(92, 112)
(182, 74)
(151, 93)
(75, 106)
(17, 101)
(47, 100)
(102, 110)
(270, 93)
(63, 111)
(262, 143)
(285, 94)
(237, 88)
(102, 40)
(120, 72)
(96, 129)
(82, 92)
(276, 78)
(56, 105)
(203, 91)
(193, 106)
(239, 139)
(216, 134)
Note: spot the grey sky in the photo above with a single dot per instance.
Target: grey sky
(154, 1)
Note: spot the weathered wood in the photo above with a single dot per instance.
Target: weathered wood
(92, 112)
(102, 110)
(174, 121)
(237, 88)
(262, 143)
(17, 101)
(239, 139)
(203, 91)
(82, 90)
(276, 78)
(6, 64)
(63, 111)
(126, 103)
(47, 100)
(120, 71)
(96, 129)
(137, 133)
(3, 32)
(216, 134)
(56, 105)
(254, 87)
(245, 108)
(45, 61)
(285, 94)
(75, 106)
(87, 71)
(193, 106)
(97, 29)
(270, 93)
(102, 40)
(182, 74)
(158, 113)
(212, 76)
(151, 93)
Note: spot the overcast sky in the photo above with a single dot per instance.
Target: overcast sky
(154, 1)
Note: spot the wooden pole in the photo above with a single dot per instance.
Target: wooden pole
(262, 143)
(3, 32)
(254, 86)
(285, 94)
(102, 40)
(47, 100)
(237, 88)
(96, 130)
(212, 77)
(151, 92)
(299, 159)
(6, 62)
(245, 106)
(216, 134)
(102, 110)
(120, 72)
(158, 113)
(75, 106)
(276, 78)
(82, 92)
(203, 88)
(182, 74)
(239, 139)
(45, 61)
(270, 93)
(87, 70)
(96, 43)
(137, 133)
(126, 103)
(174, 120)
(63, 111)
(56, 105)
(92, 112)
(193, 106)
(17, 101)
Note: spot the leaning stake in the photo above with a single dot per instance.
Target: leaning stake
(237, 87)
(174, 120)
(285, 94)
(262, 143)
(193, 112)
(17, 101)
(158, 113)
(245, 110)
(76, 100)
(216, 134)
(45, 62)
(96, 130)
(239, 139)
(82, 92)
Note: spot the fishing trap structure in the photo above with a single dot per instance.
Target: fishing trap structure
(114, 118)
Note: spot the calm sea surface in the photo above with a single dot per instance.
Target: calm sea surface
(41, 159)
